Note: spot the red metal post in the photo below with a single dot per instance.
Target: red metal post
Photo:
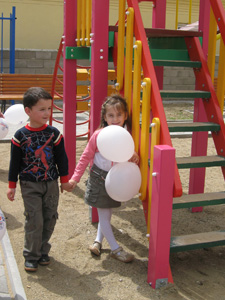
(159, 21)
(69, 83)
(161, 216)
(200, 139)
(99, 66)
(99, 59)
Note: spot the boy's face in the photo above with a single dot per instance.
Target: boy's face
(39, 114)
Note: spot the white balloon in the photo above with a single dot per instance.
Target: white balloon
(4, 128)
(2, 225)
(123, 181)
(15, 114)
(115, 143)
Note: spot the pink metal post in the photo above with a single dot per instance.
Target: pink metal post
(99, 65)
(159, 21)
(200, 139)
(161, 216)
(99, 59)
(69, 84)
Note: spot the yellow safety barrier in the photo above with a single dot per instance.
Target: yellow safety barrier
(136, 93)
(144, 149)
(120, 52)
(78, 22)
(83, 22)
(88, 22)
(155, 138)
(129, 57)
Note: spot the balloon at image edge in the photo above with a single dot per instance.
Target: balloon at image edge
(15, 114)
(2, 225)
(4, 129)
(123, 181)
(115, 143)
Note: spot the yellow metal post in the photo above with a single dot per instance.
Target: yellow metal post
(176, 19)
(78, 23)
(120, 51)
(88, 22)
(83, 21)
(212, 44)
(144, 149)
(136, 93)
(155, 137)
(129, 57)
(221, 76)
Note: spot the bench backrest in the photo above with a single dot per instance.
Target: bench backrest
(19, 83)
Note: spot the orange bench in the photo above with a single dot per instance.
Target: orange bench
(13, 86)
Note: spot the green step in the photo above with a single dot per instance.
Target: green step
(177, 63)
(193, 127)
(200, 161)
(196, 200)
(197, 241)
(165, 94)
(170, 54)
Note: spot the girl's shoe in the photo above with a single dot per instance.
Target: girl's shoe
(96, 248)
(122, 255)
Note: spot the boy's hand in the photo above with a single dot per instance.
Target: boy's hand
(134, 158)
(66, 186)
(11, 194)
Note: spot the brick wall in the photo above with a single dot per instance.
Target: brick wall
(31, 61)
(43, 62)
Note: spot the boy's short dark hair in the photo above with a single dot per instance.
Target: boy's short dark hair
(33, 94)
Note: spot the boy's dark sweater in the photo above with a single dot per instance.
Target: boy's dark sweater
(37, 154)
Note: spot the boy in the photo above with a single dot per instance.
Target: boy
(38, 156)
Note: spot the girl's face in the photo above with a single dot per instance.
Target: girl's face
(39, 114)
(114, 116)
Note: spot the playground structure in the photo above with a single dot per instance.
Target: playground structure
(139, 77)
(12, 28)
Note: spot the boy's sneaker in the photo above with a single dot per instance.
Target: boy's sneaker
(122, 255)
(96, 248)
(44, 260)
(31, 265)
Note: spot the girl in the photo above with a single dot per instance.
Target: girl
(114, 112)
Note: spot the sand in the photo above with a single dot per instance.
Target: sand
(75, 274)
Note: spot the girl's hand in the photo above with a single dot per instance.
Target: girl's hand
(66, 186)
(11, 194)
(73, 183)
(134, 158)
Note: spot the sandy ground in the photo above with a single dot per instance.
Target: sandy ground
(75, 274)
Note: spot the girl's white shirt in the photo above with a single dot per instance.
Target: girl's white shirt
(102, 162)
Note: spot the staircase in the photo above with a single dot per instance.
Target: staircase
(183, 49)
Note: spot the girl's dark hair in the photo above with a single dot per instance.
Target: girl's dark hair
(120, 104)
(33, 94)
